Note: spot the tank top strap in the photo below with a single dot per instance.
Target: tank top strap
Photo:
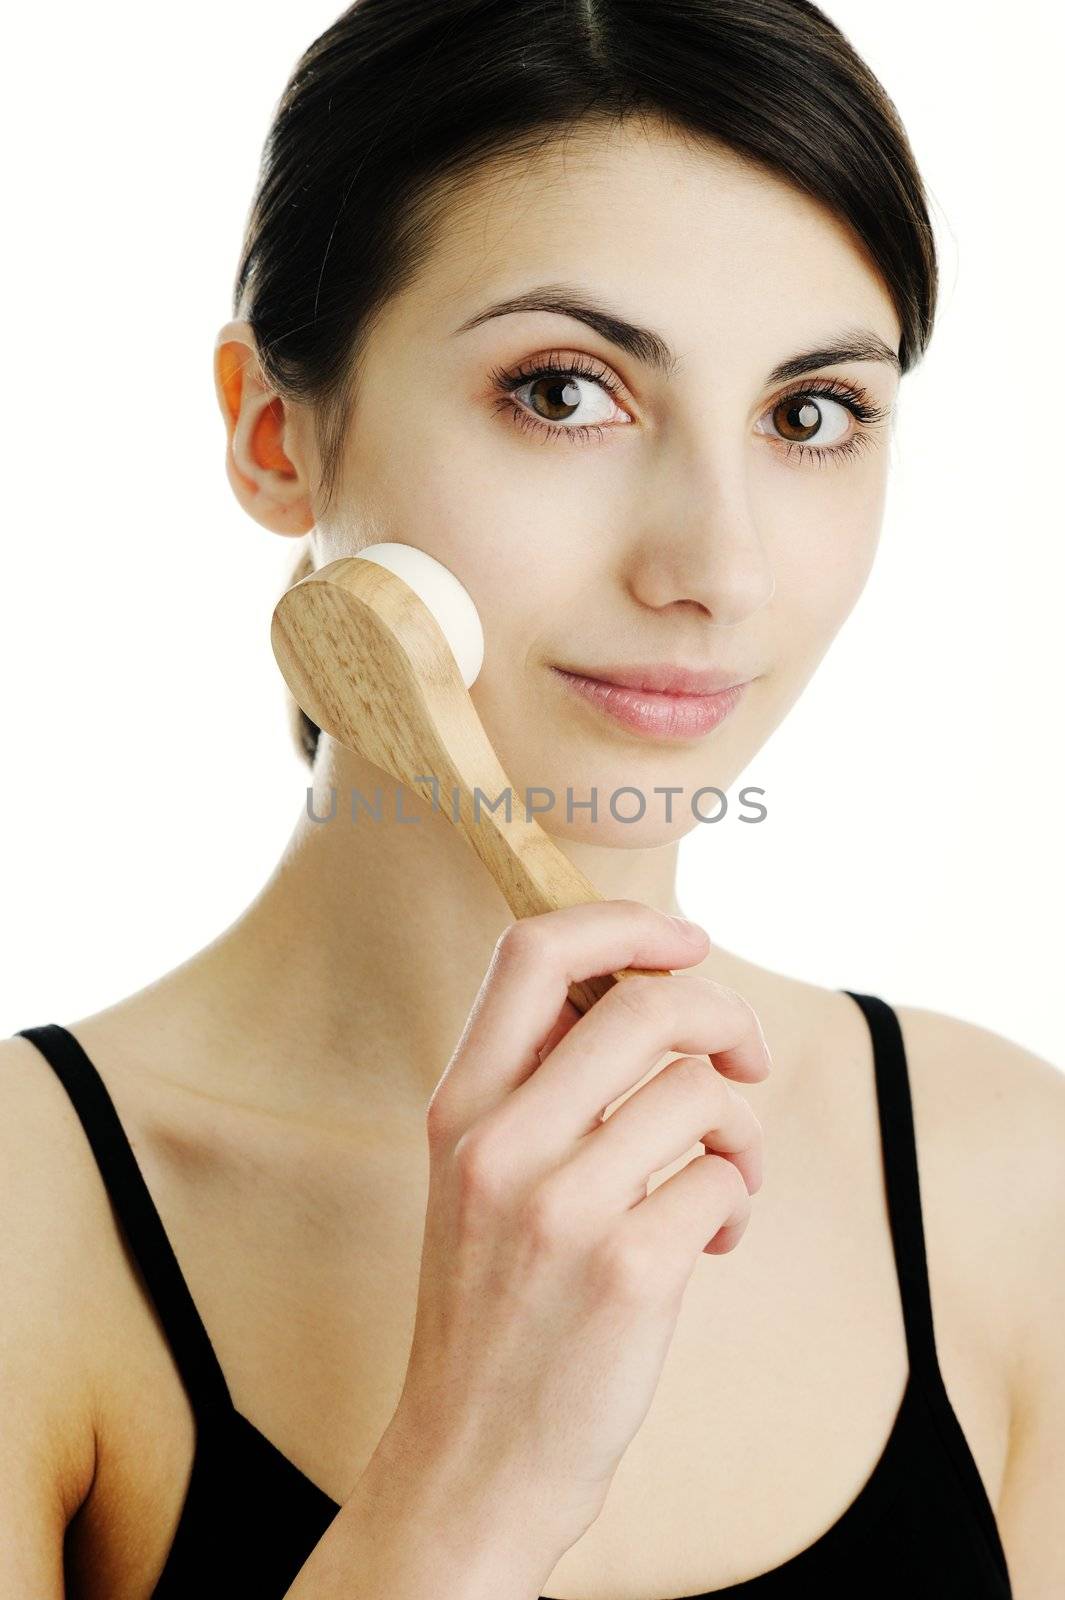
(899, 1149)
(135, 1209)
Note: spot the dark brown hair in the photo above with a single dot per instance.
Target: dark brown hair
(399, 101)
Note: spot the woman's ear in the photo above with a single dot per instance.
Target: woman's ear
(263, 455)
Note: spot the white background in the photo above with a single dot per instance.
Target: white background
(913, 848)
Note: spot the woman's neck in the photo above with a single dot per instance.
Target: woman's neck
(348, 978)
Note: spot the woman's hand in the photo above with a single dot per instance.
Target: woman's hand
(550, 1280)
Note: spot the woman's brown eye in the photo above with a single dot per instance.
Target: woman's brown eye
(563, 396)
(797, 419)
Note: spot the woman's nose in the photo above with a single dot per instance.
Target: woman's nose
(709, 553)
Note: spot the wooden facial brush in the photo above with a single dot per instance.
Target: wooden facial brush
(380, 650)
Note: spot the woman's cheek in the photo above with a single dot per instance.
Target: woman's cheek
(819, 574)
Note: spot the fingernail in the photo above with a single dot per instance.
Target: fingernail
(691, 930)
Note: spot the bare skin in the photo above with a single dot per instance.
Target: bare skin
(274, 1085)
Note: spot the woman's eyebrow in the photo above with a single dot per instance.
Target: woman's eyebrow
(859, 344)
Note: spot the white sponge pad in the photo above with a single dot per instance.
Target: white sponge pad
(448, 599)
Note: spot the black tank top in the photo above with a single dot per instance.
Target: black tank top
(920, 1526)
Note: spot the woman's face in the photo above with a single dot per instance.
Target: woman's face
(714, 516)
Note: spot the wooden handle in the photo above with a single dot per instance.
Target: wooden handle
(589, 990)
(367, 661)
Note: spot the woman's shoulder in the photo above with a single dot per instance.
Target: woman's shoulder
(51, 1189)
(989, 1127)
(989, 1116)
(997, 1102)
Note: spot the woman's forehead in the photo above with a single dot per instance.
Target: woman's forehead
(699, 238)
(706, 247)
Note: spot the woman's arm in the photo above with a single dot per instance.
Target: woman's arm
(1031, 1511)
(991, 1137)
(414, 1530)
(1032, 1507)
(47, 1437)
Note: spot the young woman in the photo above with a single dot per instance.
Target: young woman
(606, 306)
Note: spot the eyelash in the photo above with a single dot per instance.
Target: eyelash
(856, 400)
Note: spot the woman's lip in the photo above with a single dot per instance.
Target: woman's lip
(661, 677)
(670, 716)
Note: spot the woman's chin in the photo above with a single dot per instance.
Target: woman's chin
(649, 833)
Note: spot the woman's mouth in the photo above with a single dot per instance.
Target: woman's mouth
(661, 713)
